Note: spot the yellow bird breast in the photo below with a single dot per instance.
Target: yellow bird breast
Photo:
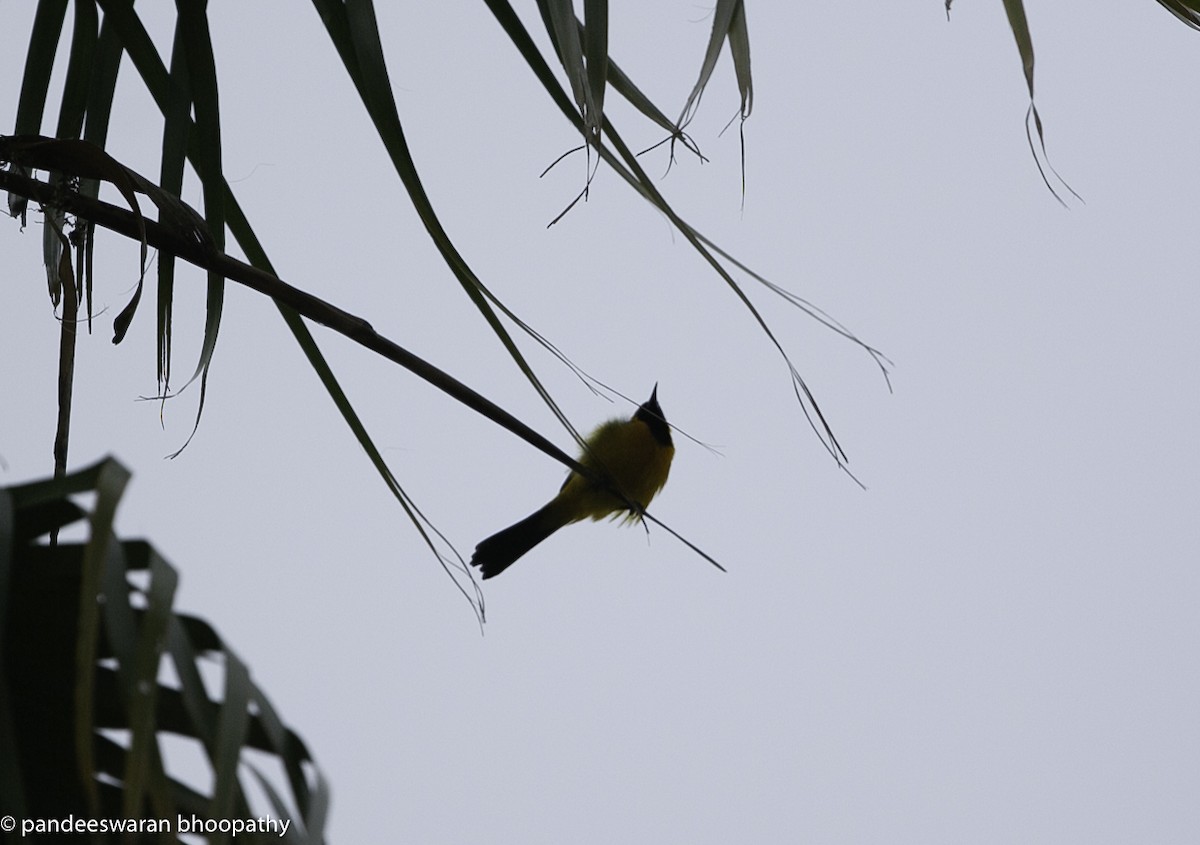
(627, 453)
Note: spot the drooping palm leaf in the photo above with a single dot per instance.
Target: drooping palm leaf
(583, 57)
(116, 636)
(729, 23)
(1020, 30)
(355, 35)
(191, 85)
(624, 162)
(1019, 24)
(1187, 11)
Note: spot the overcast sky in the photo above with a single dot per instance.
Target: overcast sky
(995, 642)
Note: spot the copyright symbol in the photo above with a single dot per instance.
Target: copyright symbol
(7, 824)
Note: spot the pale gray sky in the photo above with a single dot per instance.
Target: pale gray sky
(997, 642)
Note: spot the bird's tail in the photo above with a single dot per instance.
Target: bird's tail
(501, 550)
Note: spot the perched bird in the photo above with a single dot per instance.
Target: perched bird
(634, 455)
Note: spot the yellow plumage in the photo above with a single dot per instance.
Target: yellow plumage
(633, 455)
(635, 463)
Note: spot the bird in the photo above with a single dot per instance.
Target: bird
(631, 456)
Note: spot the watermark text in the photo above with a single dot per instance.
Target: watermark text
(181, 824)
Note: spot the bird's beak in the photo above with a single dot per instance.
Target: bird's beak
(654, 394)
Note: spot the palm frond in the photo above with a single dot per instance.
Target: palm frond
(189, 87)
(90, 626)
(625, 163)
(1187, 11)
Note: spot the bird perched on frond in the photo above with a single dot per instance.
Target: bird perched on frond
(630, 459)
